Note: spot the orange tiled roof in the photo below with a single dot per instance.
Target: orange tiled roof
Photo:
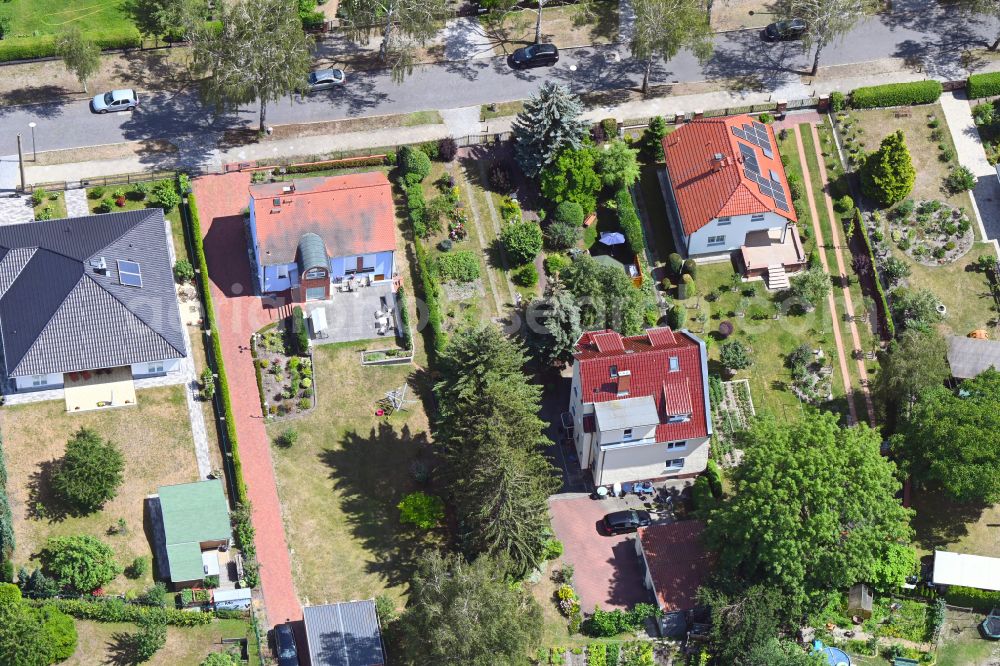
(705, 190)
(353, 214)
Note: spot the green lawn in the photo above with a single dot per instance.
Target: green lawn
(55, 202)
(98, 643)
(34, 20)
(340, 484)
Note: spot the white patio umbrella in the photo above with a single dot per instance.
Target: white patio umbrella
(612, 238)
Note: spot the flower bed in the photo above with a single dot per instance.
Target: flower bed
(286, 381)
(931, 232)
(386, 356)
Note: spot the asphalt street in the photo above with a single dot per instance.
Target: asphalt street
(933, 37)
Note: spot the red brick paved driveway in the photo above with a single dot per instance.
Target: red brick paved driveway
(607, 572)
(221, 200)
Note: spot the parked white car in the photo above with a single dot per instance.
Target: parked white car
(115, 100)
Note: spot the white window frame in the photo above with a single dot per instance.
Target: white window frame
(757, 217)
(154, 368)
(723, 221)
(675, 463)
(39, 380)
(627, 435)
(676, 446)
(675, 364)
(315, 273)
(716, 240)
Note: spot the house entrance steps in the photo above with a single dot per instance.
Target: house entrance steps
(776, 277)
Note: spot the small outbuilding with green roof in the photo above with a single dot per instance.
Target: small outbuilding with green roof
(189, 518)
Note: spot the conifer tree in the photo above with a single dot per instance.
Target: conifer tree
(888, 174)
(549, 122)
(555, 328)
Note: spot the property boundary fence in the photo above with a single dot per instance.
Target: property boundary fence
(103, 181)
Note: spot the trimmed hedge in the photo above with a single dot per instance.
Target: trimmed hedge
(113, 609)
(429, 292)
(347, 163)
(983, 85)
(859, 227)
(629, 222)
(896, 94)
(971, 597)
(194, 228)
(29, 48)
(404, 319)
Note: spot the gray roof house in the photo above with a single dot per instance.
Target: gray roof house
(85, 294)
(344, 634)
(970, 356)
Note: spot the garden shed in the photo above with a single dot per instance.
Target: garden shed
(859, 601)
(190, 522)
(344, 634)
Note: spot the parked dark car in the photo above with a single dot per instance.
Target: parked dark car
(284, 640)
(536, 55)
(621, 522)
(784, 30)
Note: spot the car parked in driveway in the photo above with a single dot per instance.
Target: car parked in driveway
(536, 55)
(284, 640)
(324, 79)
(115, 100)
(785, 30)
(620, 522)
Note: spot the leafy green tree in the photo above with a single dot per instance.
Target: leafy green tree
(811, 286)
(150, 638)
(90, 472)
(828, 20)
(504, 506)
(571, 177)
(402, 24)
(887, 175)
(989, 8)
(915, 308)
(568, 212)
(159, 18)
(618, 165)
(549, 122)
(260, 54)
(23, 638)
(735, 355)
(420, 509)
(462, 613)
(896, 270)
(814, 510)
(221, 659)
(554, 325)
(950, 439)
(414, 164)
(664, 27)
(522, 241)
(915, 362)
(81, 56)
(606, 295)
(80, 563)
(744, 622)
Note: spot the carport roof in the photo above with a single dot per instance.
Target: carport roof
(677, 562)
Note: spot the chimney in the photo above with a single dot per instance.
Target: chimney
(718, 161)
(624, 381)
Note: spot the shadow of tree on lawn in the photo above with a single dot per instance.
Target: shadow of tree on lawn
(372, 473)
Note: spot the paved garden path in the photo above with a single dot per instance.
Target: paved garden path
(848, 301)
(831, 303)
(239, 313)
(491, 279)
(76, 203)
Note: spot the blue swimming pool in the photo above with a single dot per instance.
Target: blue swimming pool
(836, 657)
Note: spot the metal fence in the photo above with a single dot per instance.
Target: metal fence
(772, 106)
(103, 181)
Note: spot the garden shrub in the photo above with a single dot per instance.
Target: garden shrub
(677, 317)
(429, 292)
(522, 241)
(610, 128)
(81, 563)
(113, 609)
(404, 319)
(838, 101)
(553, 549)
(611, 623)
(429, 148)
(960, 179)
(555, 263)
(447, 149)
(500, 179)
(183, 271)
(983, 85)
(138, 567)
(525, 276)
(735, 355)
(90, 472)
(61, 632)
(414, 165)
(984, 114)
(166, 195)
(969, 597)
(676, 264)
(288, 438)
(38, 196)
(701, 495)
(421, 510)
(568, 212)
(844, 204)
(300, 332)
(9, 594)
(686, 287)
(629, 222)
(896, 94)
(766, 118)
(460, 266)
(652, 139)
(561, 236)
(691, 268)
(714, 476)
(510, 210)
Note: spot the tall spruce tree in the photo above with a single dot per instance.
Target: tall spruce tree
(505, 506)
(554, 325)
(468, 614)
(260, 54)
(549, 122)
(887, 175)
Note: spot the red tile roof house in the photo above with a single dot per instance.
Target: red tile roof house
(640, 405)
(675, 563)
(311, 232)
(726, 192)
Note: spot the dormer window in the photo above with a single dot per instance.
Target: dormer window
(678, 418)
(315, 273)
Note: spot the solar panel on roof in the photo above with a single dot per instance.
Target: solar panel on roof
(129, 273)
(782, 205)
(760, 127)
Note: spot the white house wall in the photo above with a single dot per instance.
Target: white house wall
(735, 233)
(649, 461)
(147, 369)
(39, 382)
